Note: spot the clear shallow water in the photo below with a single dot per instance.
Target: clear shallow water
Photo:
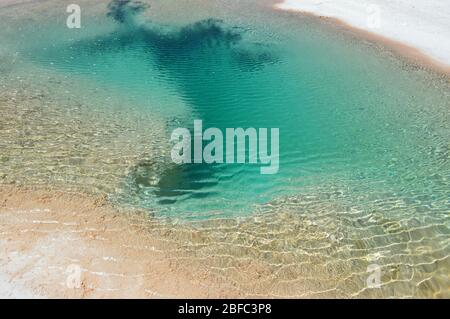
(364, 138)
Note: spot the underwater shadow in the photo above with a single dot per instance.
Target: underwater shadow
(190, 56)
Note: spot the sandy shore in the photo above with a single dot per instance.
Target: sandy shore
(56, 244)
(84, 248)
(420, 24)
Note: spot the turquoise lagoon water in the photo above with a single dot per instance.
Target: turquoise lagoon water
(358, 125)
(346, 114)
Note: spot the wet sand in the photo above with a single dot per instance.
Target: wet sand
(73, 245)
(48, 238)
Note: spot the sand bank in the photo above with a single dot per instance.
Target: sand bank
(59, 245)
(420, 24)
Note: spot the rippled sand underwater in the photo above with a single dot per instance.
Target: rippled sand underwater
(77, 129)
